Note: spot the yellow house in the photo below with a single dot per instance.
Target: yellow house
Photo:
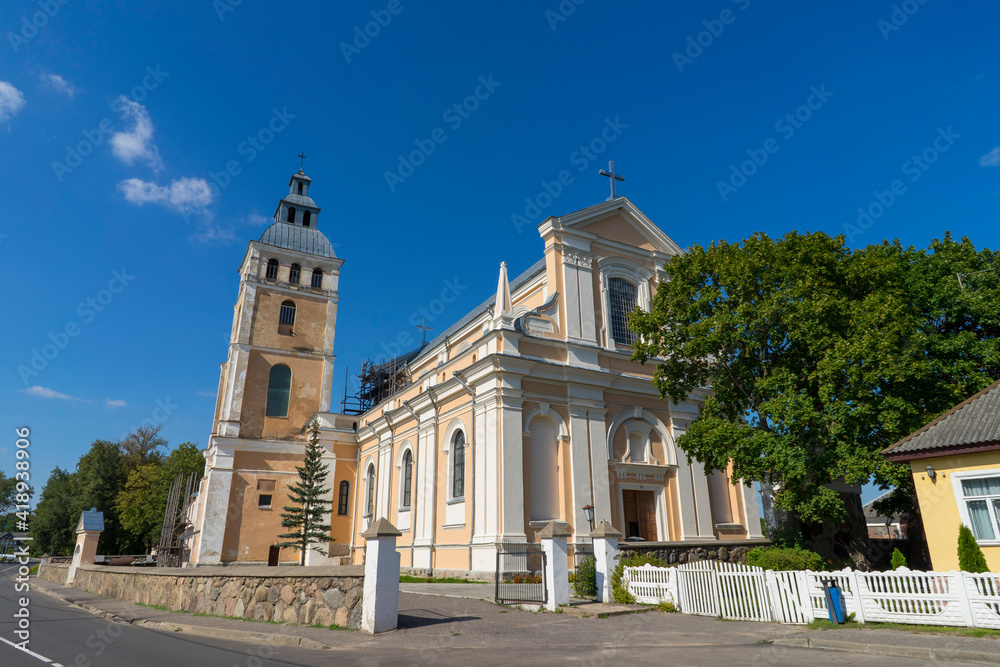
(955, 461)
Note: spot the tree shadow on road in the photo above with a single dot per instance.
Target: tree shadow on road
(421, 618)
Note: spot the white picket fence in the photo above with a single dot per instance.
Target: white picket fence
(747, 593)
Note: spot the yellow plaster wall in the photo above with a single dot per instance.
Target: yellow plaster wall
(310, 321)
(304, 401)
(939, 507)
(615, 228)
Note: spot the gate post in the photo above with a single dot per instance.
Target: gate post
(88, 532)
(380, 607)
(605, 539)
(553, 537)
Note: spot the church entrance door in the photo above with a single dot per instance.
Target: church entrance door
(272, 556)
(640, 514)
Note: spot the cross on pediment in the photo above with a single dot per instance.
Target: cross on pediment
(610, 173)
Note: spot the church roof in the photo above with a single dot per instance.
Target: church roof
(535, 269)
(293, 237)
(300, 200)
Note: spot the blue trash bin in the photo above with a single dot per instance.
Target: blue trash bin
(835, 602)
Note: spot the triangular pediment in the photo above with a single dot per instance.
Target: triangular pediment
(620, 221)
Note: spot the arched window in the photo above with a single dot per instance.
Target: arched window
(291, 214)
(272, 269)
(294, 274)
(306, 218)
(317, 278)
(370, 491)
(407, 478)
(458, 465)
(286, 318)
(543, 469)
(344, 498)
(300, 188)
(279, 386)
(623, 298)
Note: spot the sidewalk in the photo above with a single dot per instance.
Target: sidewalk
(432, 623)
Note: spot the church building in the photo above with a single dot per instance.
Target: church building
(526, 410)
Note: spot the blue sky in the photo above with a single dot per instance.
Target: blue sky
(118, 121)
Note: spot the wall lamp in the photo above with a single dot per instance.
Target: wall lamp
(588, 511)
(931, 473)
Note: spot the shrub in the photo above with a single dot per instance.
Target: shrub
(785, 558)
(585, 580)
(898, 559)
(970, 556)
(618, 589)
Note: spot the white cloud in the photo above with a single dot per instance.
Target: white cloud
(11, 101)
(991, 159)
(45, 392)
(206, 394)
(114, 403)
(257, 219)
(183, 194)
(211, 232)
(60, 85)
(137, 143)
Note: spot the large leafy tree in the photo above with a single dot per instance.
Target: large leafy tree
(818, 357)
(53, 524)
(139, 504)
(306, 516)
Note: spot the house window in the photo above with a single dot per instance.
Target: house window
(458, 465)
(407, 478)
(291, 214)
(279, 387)
(272, 269)
(264, 501)
(306, 218)
(342, 500)
(294, 274)
(317, 278)
(623, 298)
(982, 502)
(370, 491)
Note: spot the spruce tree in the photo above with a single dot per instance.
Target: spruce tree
(898, 559)
(306, 517)
(970, 556)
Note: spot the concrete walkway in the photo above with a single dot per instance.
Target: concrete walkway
(443, 629)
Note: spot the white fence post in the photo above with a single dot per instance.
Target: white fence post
(959, 580)
(380, 607)
(553, 538)
(859, 605)
(605, 539)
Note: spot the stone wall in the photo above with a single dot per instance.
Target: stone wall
(57, 572)
(732, 551)
(294, 595)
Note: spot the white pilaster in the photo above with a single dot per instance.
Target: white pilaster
(751, 515)
(702, 499)
(513, 471)
(579, 443)
(599, 465)
(215, 517)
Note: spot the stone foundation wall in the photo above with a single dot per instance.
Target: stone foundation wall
(733, 551)
(294, 595)
(56, 572)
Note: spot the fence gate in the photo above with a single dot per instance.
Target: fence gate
(520, 577)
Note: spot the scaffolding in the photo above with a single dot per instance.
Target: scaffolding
(175, 522)
(377, 382)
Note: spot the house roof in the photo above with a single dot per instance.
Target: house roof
(973, 423)
(294, 237)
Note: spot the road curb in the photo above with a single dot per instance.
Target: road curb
(891, 649)
(220, 633)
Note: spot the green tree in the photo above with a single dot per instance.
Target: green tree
(53, 524)
(139, 505)
(8, 493)
(819, 357)
(99, 478)
(898, 559)
(142, 447)
(306, 515)
(970, 556)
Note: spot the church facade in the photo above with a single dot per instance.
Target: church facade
(526, 410)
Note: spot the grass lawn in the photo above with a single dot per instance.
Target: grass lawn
(926, 629)
(407, 579)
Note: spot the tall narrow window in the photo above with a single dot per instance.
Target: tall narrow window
(287, 315)
(345, 496)
(623, 297)
(300, 188)
(291, 214)
(407, 478)
(370, 492)
(294, 274)
(458, 465)
(279, 386)
(317, 279)
(272, 269)
(306, 218)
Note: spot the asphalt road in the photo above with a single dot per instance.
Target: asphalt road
(62, 635)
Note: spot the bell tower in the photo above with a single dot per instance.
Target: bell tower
(277, 376)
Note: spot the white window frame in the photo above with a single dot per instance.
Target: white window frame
(407, 447)
(453, 428)
(638, 275)
(961, 499)
(371, 489)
